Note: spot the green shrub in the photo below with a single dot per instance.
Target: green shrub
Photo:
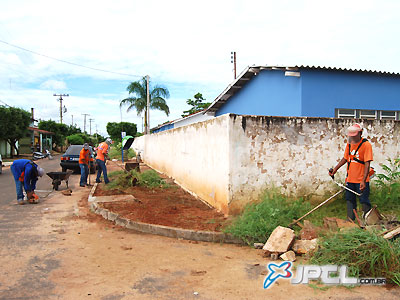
(386, 192)
(75, 139)
(258, 220)
(121, 180)
(116, 152)
(151, 179)
(366, 254)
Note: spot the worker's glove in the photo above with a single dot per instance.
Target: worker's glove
(331, 173)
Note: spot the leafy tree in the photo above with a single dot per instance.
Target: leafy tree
(14, 125)
(98, 138)
(61, 131)
(75, 139)
(114, 129)
(80, 138)
(197, 105)
(72, 129)
(138, 100)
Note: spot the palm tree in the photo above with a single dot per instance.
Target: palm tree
(138, 100)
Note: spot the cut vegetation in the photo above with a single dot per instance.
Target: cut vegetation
(366, 254)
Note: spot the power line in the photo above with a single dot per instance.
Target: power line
(5, 103)
(68, 62)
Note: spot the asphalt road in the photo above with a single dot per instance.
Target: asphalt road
(16, 237)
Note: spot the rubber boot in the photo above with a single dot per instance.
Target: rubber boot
(366, 207)
(350, 213)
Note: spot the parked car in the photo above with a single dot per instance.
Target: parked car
(1, 165)
(70, 159)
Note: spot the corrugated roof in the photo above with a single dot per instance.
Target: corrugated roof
(249, 72)
(40, 130)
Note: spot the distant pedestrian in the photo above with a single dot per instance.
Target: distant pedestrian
(26, 174)
(84, 164)
(102, 156)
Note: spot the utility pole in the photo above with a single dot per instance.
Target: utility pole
(84, 122)
(72, 120)
(148, 106)
(61, 99)
(233, 61)
(90, 126)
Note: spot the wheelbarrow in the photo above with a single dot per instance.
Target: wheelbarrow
(58, 177)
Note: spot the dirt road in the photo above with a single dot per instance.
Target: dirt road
(58, 250)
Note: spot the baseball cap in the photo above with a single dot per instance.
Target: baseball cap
(354, 129)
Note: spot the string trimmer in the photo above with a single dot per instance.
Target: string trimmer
(326, 201)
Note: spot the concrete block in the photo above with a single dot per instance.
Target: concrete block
(288, 256)
(280, 240)
(112, 216)
(258, 245)
(305, 246)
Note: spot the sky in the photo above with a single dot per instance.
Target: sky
(184, 46)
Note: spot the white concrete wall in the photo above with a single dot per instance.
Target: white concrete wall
(294, 154)
(195, 156)
(230, 160)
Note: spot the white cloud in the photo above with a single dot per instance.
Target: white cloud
(52, 84)
(182, 43)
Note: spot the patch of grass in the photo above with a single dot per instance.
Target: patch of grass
(121, 180)
(366, 254)
(151, 179)
(258, 220)
(115, 153)
(335, 208)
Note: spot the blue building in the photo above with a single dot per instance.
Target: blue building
(311, 92)
(305, 91)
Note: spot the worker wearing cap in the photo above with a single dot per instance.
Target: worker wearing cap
(102, 155)
(83, 164)
(26, 174)
(358, 156)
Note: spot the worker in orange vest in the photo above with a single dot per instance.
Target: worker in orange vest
(83, 164)
(358, 157)
(102, 155)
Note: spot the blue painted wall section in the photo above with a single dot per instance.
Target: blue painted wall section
(325, 90)
(269, 93)
(164, 127)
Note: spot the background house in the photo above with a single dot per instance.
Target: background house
(308, 91)
(305, 91)
(194, 118)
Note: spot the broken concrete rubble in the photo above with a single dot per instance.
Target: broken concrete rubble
(280, 240)
(258, 245)
(288, 256)
(393, 233)
(304, 246)
(309, 231)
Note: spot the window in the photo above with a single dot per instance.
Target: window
(368, 114)
(346, 113)
(388, 115)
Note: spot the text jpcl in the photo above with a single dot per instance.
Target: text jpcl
(330, 274)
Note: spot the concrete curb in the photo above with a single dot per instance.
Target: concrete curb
(173, 232)
(92, 198)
